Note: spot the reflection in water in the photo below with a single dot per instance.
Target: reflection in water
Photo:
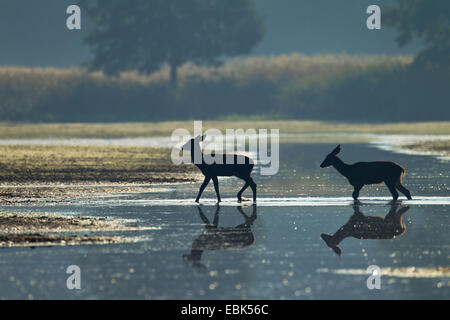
(223, 238)
(361, 226)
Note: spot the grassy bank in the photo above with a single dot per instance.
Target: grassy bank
(10, 130)
(77, 164)
(331, 87)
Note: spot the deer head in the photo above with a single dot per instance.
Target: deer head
(190, 145)
(193, 146)
(331, 158)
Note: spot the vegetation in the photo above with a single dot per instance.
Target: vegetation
(427, 20)
(121, 130)
(328, 87)
(163, 41)
(154, 129)
(150, 33)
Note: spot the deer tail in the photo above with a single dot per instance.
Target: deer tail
(402, 173)
(403, 170)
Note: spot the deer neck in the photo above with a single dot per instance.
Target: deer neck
(342, 167)
(197, 151)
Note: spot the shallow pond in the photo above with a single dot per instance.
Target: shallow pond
(270, 251)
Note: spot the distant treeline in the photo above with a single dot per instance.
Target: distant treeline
(331, 87)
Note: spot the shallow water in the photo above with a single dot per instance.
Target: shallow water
(271, 251)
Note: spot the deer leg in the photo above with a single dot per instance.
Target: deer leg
(246, 224)
(392, 212)
(202, 187)
(203, 217)
(216, 217)
(392, 190)
(216, 187)
(239, 195)
(355, 193)
(248, 220)
(403, 190)
(253, 186)
(395, 215)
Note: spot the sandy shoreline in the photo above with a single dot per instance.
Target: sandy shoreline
(439, 148)
(35, 193)
(33, 229)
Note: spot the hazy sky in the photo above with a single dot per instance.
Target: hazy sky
(34, 32)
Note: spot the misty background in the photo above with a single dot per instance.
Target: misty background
(34, 33)
(256, 60)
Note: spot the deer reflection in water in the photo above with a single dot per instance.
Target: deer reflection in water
(214, 237)
(363, 226)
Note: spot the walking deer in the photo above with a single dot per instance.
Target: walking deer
(362, 173)
(361, 226)
(230, 165)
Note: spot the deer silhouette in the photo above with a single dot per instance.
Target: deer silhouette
(362, 173)
(230, 165)
(223, 238)
(361, 226)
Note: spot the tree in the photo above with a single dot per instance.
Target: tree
(428, 20)
(146, 34)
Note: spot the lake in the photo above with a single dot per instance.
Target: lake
(273, 250)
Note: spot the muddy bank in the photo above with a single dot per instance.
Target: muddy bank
(39, 240)
(47, 229)
(58, 193)
(33, 171)
(439, 147)
(90, 164)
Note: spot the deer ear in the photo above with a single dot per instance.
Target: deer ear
(199, 138)
(336, 150)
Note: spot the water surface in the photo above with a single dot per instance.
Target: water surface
(271, 251)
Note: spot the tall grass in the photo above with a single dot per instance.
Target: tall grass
(283, 87)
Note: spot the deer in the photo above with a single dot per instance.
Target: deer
(221, 238)
(361, 226)
(365, 173)
(241, 167)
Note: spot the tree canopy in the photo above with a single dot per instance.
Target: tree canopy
(427, 20)
(144, 35)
